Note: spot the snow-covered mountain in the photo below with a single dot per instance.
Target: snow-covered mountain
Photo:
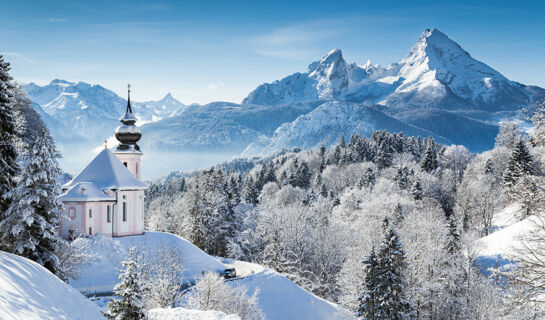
(439, 73)
(330, 78)
(80, 111)
(219, 126)
(325, 124)
(151, 111)
(438, 88)
(436, 73)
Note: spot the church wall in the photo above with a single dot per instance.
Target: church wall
(78, 218)
(134, 202)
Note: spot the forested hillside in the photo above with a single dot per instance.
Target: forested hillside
(335, 219)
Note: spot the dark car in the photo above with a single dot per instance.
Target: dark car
(229, 273)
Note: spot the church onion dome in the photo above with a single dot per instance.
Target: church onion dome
(128, 134)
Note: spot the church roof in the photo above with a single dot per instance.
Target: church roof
(85, 191)
(106, 172)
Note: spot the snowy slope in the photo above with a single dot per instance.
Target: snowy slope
(187, 314)
(101, 276)
(325, 124)
(29, 291)
(280, 298)
(219, 126)
(496, 249)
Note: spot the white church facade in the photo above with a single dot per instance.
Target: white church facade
(107, 196)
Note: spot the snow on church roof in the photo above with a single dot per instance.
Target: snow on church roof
(106, 172)
(85, 191)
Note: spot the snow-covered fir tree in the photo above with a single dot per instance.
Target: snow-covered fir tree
(28, 227)
(369, 300)
(9, 168)
(391, 285)
(521, 163)
(429, 163)
(130, 305)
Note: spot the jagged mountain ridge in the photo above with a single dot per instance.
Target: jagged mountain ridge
(436, 73)
(77, 112)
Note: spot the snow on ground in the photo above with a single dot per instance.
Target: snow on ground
(186, 314)
(506, 217)
(280, 298)
(29, 291)
(101, 276)
(495, 249)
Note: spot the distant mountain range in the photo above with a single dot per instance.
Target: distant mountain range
(437, 90)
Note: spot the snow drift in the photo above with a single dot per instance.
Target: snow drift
(29, 291)
(101, 276)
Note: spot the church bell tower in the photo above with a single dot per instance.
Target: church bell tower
(128, 134)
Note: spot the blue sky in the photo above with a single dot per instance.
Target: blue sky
(204, 51)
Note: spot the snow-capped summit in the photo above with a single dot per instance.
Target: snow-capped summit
(330, 75)
(437, 70)
(151, 111)
(325, 79)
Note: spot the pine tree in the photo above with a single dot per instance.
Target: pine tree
(384, 155)
(520, 163)
(337, 154)
(416, 190)
(429, 163)
(342, 142)
(28, 228)
(390, 284)
(453, 239)
(250, 192)
(402, 177)
(323, 163)
(8, 153)
(398, 215)
(453, 274)
(302, 178)
(369, 300)
(356, 148)
(368, 179)
(130, 306)
(489, 167)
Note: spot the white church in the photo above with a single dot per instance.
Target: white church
(107, 196)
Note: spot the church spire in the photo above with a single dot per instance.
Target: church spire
(128, 118)
(129, 109)
(128, 134)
